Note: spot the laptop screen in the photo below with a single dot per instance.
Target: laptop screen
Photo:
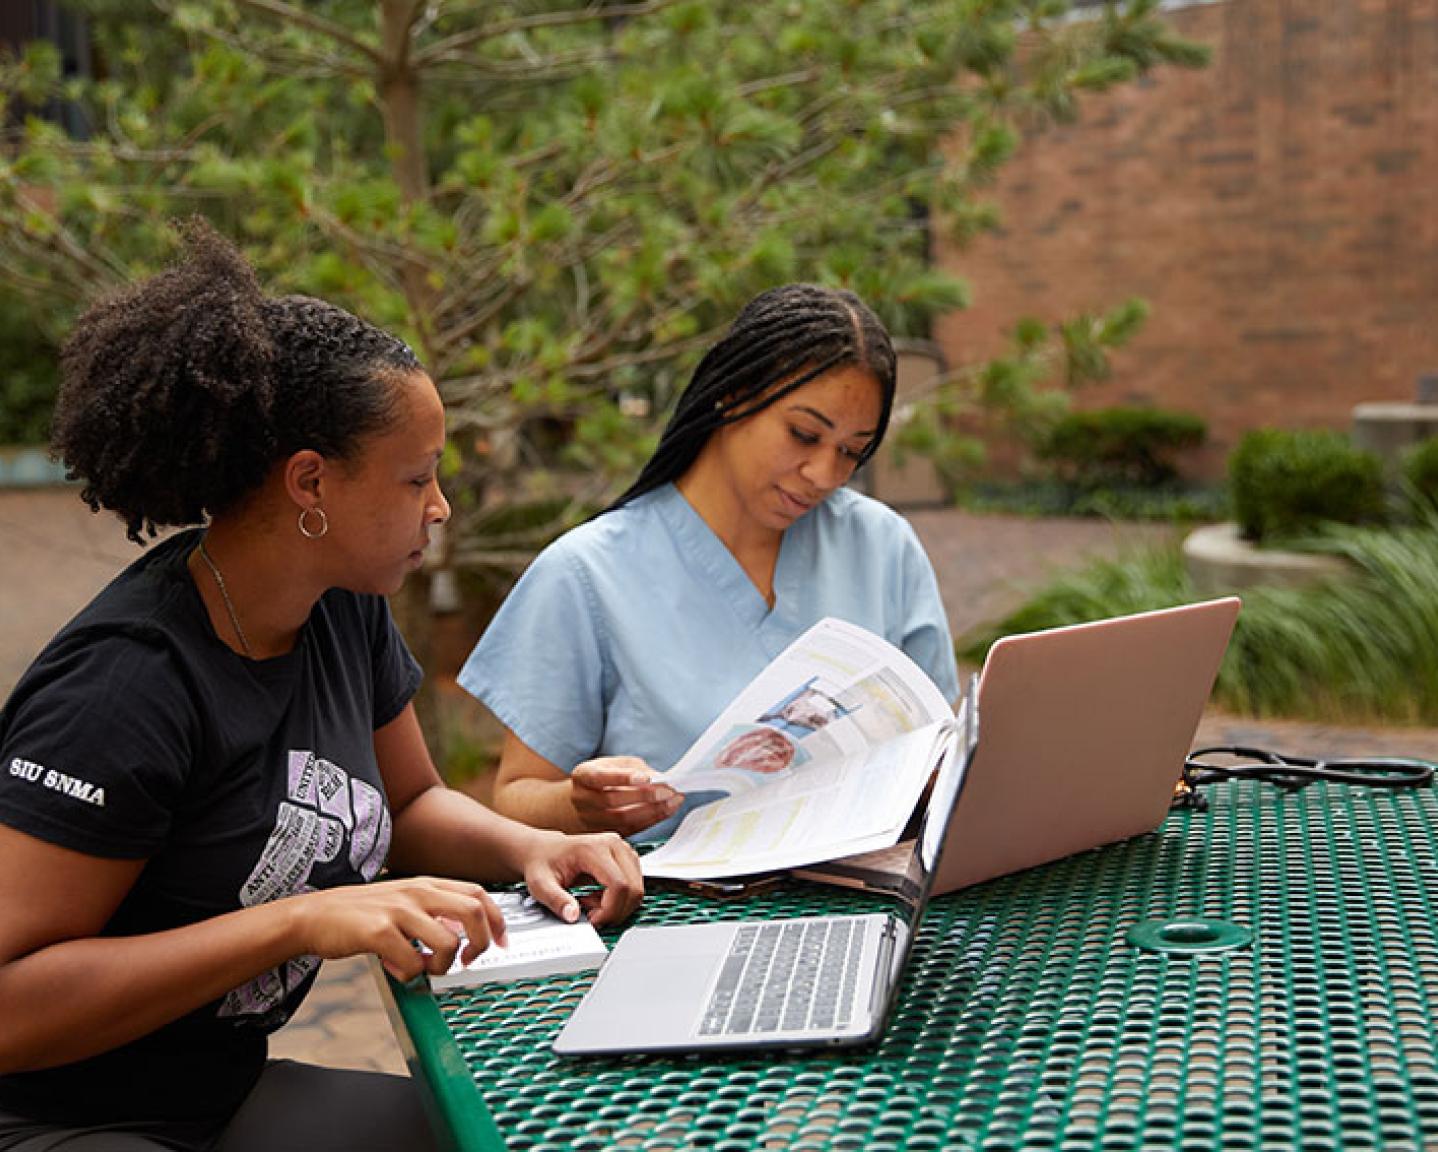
(912, 881)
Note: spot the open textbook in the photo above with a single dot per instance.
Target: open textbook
(825, 754)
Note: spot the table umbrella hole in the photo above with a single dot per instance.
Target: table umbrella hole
(1189, 935)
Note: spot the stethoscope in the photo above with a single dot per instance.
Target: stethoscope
(1294, 772)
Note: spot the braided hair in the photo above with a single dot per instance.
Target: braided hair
(783, 339)
(178, 394)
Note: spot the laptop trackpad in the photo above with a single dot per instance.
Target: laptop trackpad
(651, 990)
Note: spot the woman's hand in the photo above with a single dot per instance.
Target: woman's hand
(555, 862)
(608, 794)
(621, 794)
(393, 917)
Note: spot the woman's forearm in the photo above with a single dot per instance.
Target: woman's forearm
(444, 832)
(80, 997)
(538, 802)
(76, 997)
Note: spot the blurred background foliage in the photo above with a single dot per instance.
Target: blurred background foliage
(559, 204)
(1361, 648)
(1286, 482)
(29, 371)
(1121, 446)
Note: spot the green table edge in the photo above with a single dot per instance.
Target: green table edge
(452, 1098)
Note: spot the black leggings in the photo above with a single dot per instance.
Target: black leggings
(299, 1107)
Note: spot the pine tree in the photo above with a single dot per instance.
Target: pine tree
(557, 202)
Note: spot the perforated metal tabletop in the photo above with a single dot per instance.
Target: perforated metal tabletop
(1029, 1020)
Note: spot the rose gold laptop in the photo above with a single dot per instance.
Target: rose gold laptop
(1082, 736)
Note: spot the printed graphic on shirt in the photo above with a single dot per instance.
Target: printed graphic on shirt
(71, 786)
(328, 816)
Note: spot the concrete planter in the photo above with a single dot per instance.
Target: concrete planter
(1219, 561)
(1391, 429)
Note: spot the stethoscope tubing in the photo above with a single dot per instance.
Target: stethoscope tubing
(1297, 771)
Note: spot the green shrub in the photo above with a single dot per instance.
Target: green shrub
(1140, 581)
(1285, 483)
(1116, 446)
(1175, 502)
(1420, 472)
(1356, 650)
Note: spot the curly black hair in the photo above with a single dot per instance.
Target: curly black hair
(780, 341)
(179, 393)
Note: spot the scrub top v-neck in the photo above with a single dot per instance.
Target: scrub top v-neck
(629, 634)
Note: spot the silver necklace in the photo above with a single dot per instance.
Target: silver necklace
(225, 596)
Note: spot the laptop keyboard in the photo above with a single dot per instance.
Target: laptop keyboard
(787, 976)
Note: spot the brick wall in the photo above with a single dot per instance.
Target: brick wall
(1278, 210)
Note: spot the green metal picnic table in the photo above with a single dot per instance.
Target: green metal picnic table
(1282, 994)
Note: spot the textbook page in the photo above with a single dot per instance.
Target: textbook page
(836, 691)
(819, 810)
(825, 753)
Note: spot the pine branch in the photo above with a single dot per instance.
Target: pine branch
(298, 17)
(104, 268)
(449, 48)
(12, 272)
(449, 338)
(669, 351)
(376, 255)
(453, 320)
(771, 83)
(294, 63)
(454, 327)
(561, 66)
(598, 175)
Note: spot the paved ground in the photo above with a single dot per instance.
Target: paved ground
(987, 565)
(56, 555)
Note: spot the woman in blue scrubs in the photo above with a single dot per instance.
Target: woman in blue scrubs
(628, 635)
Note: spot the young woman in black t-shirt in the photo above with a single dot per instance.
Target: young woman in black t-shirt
(202, 773)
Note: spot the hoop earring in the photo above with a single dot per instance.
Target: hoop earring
(305, 530)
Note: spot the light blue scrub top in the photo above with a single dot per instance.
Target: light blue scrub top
(631, 633)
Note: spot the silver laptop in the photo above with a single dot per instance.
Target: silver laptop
(1085, 732)
(800, 982)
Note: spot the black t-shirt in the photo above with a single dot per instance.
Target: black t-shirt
(138, 734)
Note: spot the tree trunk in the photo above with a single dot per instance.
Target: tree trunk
(398, 86)
(399, 96)
(401, 107)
